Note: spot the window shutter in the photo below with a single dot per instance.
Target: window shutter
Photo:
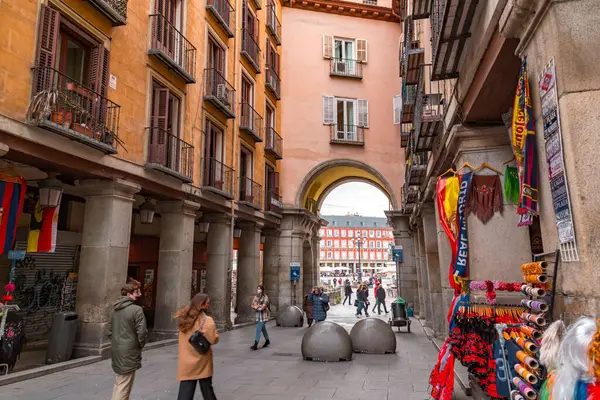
(328, 110)
(397, 108)
(363, 113)
(276, 183)
(277, 63)
(244, 15)
(49, 26)
(361, 50)
(160, 119)
(327, 46)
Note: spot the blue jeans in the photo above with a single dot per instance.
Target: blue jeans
(362, 306)
(261, 327)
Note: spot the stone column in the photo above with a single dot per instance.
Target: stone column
(407, 270)
(271, 266)
(419, 308)
(218, 274)
(445, 258)
(175, 260)
(104, 259)
(425, 276)
(291, 249)
(438, 311)
(248, 270)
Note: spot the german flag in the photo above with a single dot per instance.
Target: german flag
(43, 229)
(12, 195)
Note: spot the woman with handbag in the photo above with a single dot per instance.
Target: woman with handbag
(197, 333)
(262, 307)
(320, 304)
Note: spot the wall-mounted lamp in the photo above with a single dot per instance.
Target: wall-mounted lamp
(203, 227)
(147, 210)
(237, 233)
(50, 191)
(262, 239)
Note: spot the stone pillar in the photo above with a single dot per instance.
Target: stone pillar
(419, 306)
(291, 249)
(271, 266)
(248, 270)
(408, 289)
(104, 259)
(425, 276)
(438, 312)
(218, 274)
(445, 258)
(308, 268)
(175, 260)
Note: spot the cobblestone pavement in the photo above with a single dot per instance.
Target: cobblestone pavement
(275, 373)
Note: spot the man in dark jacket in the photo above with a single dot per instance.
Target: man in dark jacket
(381, 298)
(347, 293)
(128, 337)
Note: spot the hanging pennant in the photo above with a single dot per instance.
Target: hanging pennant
(43, 229)
(12, 196)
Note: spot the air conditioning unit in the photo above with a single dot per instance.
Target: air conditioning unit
(340, 67)
(222, 93)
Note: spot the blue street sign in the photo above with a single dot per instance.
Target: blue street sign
(16, 255)
(294, 271)
(397, 255)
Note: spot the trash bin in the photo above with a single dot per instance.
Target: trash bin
(62, 337)
(398, 311)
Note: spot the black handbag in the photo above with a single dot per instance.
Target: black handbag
(325, 306)
(198, 341)
(355, 303)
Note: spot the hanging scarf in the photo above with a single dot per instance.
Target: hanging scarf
(461, 268)
(485, 197)
(512, 190)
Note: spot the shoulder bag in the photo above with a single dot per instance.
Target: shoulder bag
(199, 341)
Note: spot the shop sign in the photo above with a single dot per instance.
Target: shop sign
(294, 271)
(554, 155)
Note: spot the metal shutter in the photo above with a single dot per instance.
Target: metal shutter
(39, 280)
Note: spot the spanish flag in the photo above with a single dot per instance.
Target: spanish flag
(43, 229)
(12, 195)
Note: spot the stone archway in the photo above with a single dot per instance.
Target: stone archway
(326, 176)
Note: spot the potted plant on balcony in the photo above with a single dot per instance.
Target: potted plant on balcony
(45, 105)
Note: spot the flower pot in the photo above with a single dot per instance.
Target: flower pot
(82, 129)
(62, 117)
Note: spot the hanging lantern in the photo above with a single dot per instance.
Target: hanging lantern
(147, 212)
(50, 191)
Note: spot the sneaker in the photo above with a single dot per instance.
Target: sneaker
(267, 343)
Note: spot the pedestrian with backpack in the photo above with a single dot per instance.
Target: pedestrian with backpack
(197, 334)
(320, 304)
(262, 310)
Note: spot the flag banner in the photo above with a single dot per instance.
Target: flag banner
(43, 229)
(461, 266)
(12, 195)
(448, 188)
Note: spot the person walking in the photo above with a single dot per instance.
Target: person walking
(334, 282)
(308, 309)
(380, 296)
(347, 293)
(375, 295)
(362, 297)
(192, 367)
(262, 308)
(320, 304)
(128, 334)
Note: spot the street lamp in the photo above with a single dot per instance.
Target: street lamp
(147, 211)
(50, 191)
(359, 244)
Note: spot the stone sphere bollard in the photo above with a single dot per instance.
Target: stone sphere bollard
(326, 341)
(373, 336)
(290, 316)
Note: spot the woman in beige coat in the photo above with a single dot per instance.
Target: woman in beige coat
(192, 366)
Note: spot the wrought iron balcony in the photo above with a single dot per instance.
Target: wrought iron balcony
(412, 55)
(218, 177)
(410, 194)
(172, 48)
(416, 169)
(450, 25)
(73, 110)
(409, 96)
(421, 9)
(273, 203)
(429, 109)
(406, 130)
(169, 154)
(251, 49)
(274, 143)
(114, 10)
(223, 12)
(346, 68)
(251, 193)
(272, 82)
(219, 92)
(347, 134)
(251, 122)
(273, 24)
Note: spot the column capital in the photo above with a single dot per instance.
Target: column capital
(107, 187)
(250, 225)
(217, 217)
(186, 207)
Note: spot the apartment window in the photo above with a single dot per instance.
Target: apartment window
(364, 233)
(246, 167)
(247, 90)
(350, 244)
(378, 244)
(336, 232)
(164, 121)
(378, 233)
(336, 255)
(335, 224)
(216, 56)
(213, 147)
(322, 244)
(371, 233)
(344, 244)
(329, 232)
(345, 49)
(372, 255)
(379, 256)
(372, 244)
(343, 233)
(344, 255)
(362, 223)
(269, 118)
(336, 244)
(329, 243)
(346, 114)
(329, 255)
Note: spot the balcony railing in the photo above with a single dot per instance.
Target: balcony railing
(251, 121)
(71, 109)
(429, 109)
(223, 12)
(274, 143)
(273, 202)
(410, 194)
(172, 48)
(272, 82)
(218, 177)
(421, 9)
(346, 68)
(169, 154)
(405, 131)
(251, 49)
(347, 134)
(273, 24)
(416, 169)
(114, 10)
(251, 193)
(219, 92)
(409, 96)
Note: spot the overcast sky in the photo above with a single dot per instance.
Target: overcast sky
(355, 197)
